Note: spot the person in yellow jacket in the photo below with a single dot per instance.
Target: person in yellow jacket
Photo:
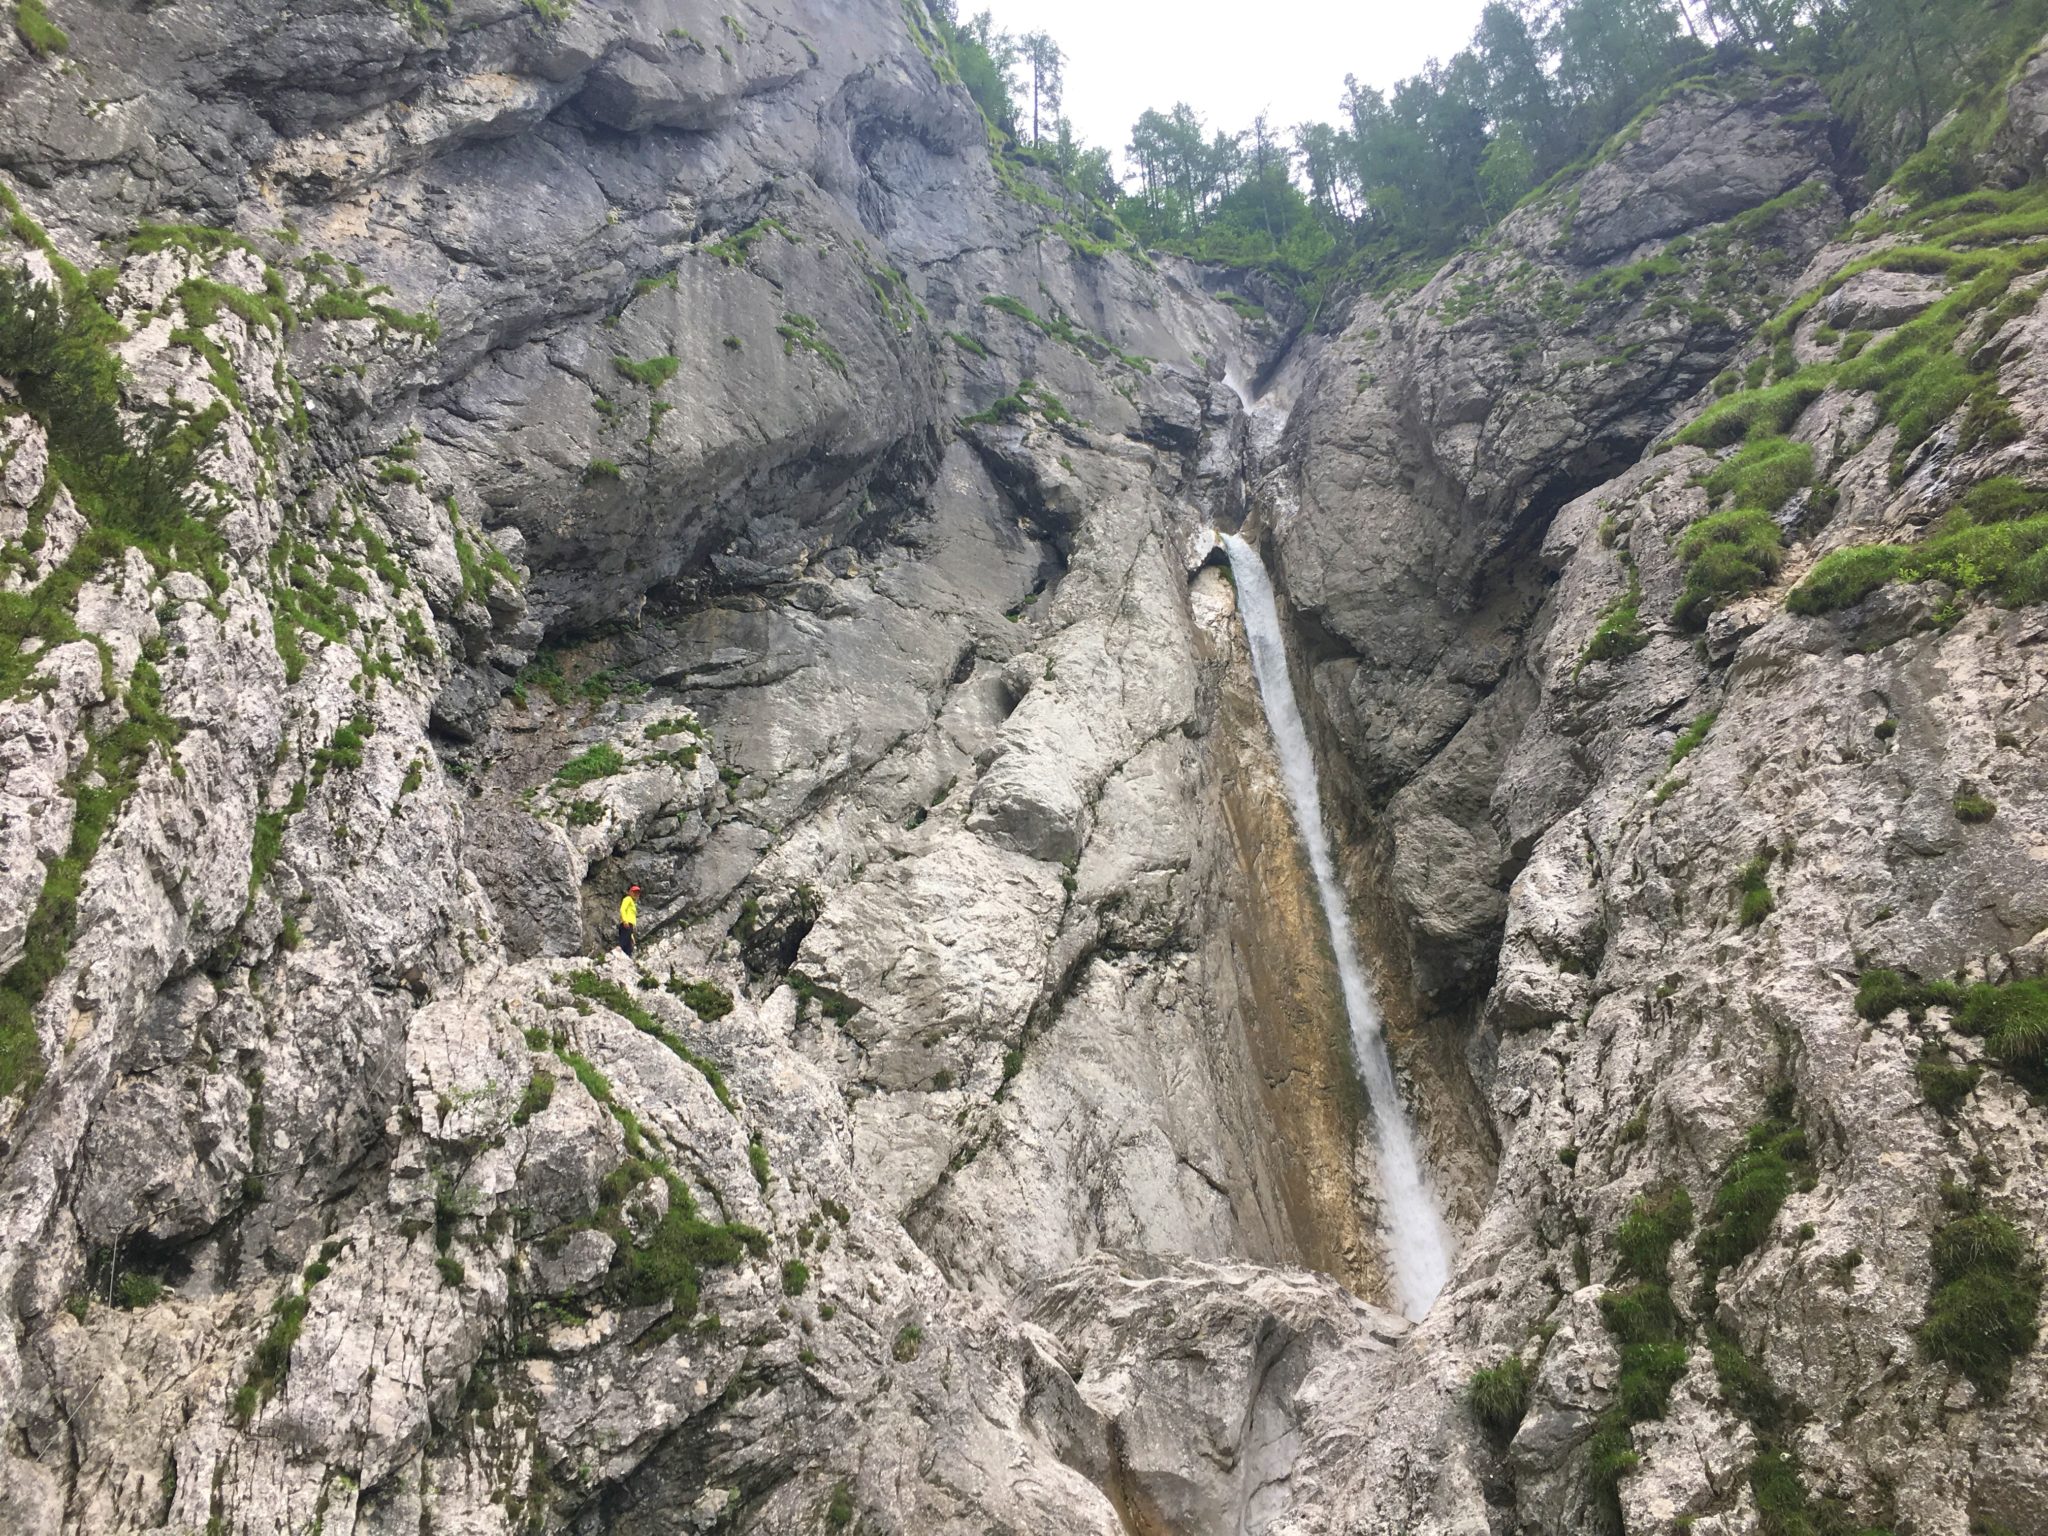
(629, 919)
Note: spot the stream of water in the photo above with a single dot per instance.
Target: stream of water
(1418, 1250)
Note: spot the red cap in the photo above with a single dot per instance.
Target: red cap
(632, 888)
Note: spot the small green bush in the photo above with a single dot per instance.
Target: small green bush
(839, 1512)
(1756, 413)
(2013, 1019)
(2009, 560)
(1692, 736)
(1620, 630)
(450, 1268)
(1499, 1396)
(1844, 577)
(134, 1290)
(599, 762)
(540, 1092)
(1982, 1312)
(1656, 1221)
(651, 374)
(1774, 1161)
(1725, 555)
(1942, 1083)
(42, 35)
(757, 1159)
(1753, 888)
(1973, 808)
(1766, 473)
(909, 1340)
(601, 469)
(796, 1277)
(707, 999)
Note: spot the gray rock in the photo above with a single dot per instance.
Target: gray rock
(1878, 300)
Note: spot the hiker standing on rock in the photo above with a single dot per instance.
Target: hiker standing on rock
(629, 919)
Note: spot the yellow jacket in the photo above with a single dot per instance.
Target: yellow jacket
(629, 912)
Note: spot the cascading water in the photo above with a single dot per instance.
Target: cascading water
(1418, 1250)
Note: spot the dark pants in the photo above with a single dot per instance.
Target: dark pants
(626, 939)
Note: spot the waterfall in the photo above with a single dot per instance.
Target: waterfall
(1418, 1250)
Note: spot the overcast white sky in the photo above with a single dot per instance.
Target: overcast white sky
(1231, 61)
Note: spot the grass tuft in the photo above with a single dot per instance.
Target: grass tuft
(1973, 808)
(599, 989)
(1773, 1162)
(1753, 887)
(651, 374)
(1725, 555)
(1982, 1311)
(1766, 473)
(1647, 1234)
(1942, 1083)
(1756, 414)
(1620, 630)
(1499, 1396)
(1690, 738)
(2013, 1020)
(1844, 577)
(540, 1092)
(43, 36)
(600, 762)
(707, 999)
(802, 332)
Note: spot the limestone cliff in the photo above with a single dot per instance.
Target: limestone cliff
(459, 460)
(1707, 834)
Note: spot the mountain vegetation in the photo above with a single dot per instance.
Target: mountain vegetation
(1405, 176)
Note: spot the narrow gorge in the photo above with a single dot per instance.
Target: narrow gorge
(1417, 1248)
(1412, 904)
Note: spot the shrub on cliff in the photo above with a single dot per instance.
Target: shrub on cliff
(1983, 1309)
(1499, 1396)
(1724, 556)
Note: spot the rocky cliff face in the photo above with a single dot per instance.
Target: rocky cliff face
(575, 491)
(458, 461)
(1654, 805)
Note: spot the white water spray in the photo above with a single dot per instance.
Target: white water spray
(1418, 1250)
